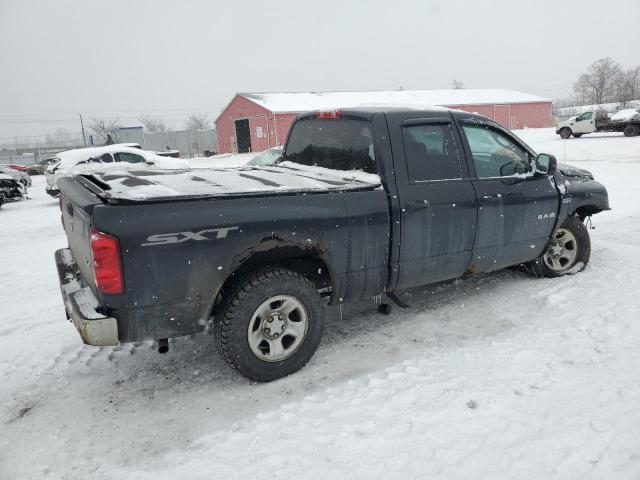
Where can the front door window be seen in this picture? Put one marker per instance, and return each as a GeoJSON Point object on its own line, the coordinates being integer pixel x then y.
{"type": "Point", "coordinates": [584, 116]}
{"type": "Point", "coordinates": [495, 154]}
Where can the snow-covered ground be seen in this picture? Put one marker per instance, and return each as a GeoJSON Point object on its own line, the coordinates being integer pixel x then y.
{"type": "Point", "coordinates": [497, 376]}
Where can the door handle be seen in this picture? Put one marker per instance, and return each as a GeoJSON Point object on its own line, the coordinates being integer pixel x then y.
{"type": "Point", "coordinates": [418, 204]}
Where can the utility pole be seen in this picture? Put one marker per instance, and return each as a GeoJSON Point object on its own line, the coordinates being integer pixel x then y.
{"type": "Point", "coordinates": [84, 138]}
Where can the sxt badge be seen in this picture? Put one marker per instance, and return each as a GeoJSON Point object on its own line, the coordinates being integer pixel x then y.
{"type": "Point", "coordinates": [179, 237]}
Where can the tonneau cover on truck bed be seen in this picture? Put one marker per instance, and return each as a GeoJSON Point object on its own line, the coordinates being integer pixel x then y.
{"type": "Point", "coordinates": [286, 177]}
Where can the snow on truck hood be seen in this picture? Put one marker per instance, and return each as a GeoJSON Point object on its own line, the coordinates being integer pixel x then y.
{"type": "Point", "coordinates": [286, 177]}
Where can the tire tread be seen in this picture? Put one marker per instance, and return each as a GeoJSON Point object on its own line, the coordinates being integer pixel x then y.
{"type": "Point", "coordinates": [240, 290]}
{"type": "Point", "coordinates": [539, 268]}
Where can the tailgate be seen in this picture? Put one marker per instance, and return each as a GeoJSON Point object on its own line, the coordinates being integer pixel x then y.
{"type": "Point", "coordinates": [77, 205]}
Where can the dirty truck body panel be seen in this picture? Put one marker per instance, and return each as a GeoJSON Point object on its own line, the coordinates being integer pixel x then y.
{"type": "Point", "coordinates": [354, 239]}
{"type": "Point", "coordinates": [171, 287]}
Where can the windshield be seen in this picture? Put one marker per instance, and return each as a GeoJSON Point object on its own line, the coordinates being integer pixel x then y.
{"type": "Point", "coordinates": [334, 144]}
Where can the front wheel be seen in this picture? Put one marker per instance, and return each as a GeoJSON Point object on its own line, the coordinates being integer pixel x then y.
{"type": "Point", "coordinates": [568, 251]}
{"type": "Point", "coordinates": [565, 133]}
{"type": "Point", "coordinates": [631, 130]}
{"type": "Point", "coordinates": [270, 325]}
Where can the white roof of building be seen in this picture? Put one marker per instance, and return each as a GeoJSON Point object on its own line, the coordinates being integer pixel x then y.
{"type": "Point", "coordinates": [302, 102]}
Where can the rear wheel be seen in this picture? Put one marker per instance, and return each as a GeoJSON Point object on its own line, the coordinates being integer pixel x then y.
{"type": "Point", "coordinates": [270, 325]}
{"type": "Point", "coordinates": [568, 251]}
{"type": "Point", "coordinates": [565, 133]}
{"type": "Point", "coordinates": [630, 130]}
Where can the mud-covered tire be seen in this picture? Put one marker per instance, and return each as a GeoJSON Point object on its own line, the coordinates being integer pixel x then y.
{"type": "Point", "coordinates": [549, 264]}
{"type": "Point", "coordinates": [565, 133]}
{"type": "Point", "coordinates": [631, 130]}
{"type": "Point", "coordinates": [577, 135]}
{"type": "Point", "coordinates": [235, 320]}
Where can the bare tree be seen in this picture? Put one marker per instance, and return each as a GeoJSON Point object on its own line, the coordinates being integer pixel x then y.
{"type": "Point", "coordinates": [197, 121]}
{"type": "Point", "coordinates": [103, 127]}
{"type": "Point", "coordinates": [456, 84]}
{"type": "Point", "coordinates": [598, 84]}
{"type": "Point", "coordinates": [569, 101]}
{"type": "Point", "coordinates": [628, 85]}
{"type": "Point", "coordinates": [153, 124]}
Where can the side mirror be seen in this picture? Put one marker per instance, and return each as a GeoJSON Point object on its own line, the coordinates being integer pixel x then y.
{"type": "Point", "coordinates": [546, 164]}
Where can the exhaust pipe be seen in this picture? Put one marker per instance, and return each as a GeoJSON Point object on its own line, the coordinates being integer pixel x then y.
{"type": "Point", "coordinates": [163, 345]}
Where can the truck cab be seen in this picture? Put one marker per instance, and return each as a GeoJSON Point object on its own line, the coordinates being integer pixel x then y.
{"type": "Point", "coordinates": [585, 123]}
{"type": "Point", "coordinates": [577, 126]}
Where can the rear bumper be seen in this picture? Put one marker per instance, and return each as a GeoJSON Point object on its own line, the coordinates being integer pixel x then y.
{"type": "Point", "coordinates": [82, 305]}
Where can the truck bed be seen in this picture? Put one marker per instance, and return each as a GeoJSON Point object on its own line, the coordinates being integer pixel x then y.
{"type": "Point", "coordinates": [286, 177]}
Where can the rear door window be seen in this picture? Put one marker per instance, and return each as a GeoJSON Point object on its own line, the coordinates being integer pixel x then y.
{"type": "Point", "coordinates": [330, 143]}
{"type": "Point", "coordinates": [431, 152]}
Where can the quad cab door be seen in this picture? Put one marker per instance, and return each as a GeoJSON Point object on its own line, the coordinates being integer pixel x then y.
{"type": "Point", "coordinates": [437, 200]}
{"type": "Point", "coordinates": [517, 208]}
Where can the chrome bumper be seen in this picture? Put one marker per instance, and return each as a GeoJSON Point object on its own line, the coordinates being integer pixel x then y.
{"type": "Point", "coordinates": [81, 305]}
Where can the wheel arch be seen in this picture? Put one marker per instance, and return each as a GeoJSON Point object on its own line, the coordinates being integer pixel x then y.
{"type": "Point", "coordinates": [586, 210]}
{"type": "Point", "coordinates": [307, 260]}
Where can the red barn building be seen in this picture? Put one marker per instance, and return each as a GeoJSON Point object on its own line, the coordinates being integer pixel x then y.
{"type": "Point", "coordinates": [257, 121]}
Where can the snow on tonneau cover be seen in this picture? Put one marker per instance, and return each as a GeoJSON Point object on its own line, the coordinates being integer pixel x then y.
{"type": "Point", "coordinates": [285, 177]}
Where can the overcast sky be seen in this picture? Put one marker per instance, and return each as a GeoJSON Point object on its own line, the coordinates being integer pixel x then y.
{"type": "Point", "coordinates": [120, 58]}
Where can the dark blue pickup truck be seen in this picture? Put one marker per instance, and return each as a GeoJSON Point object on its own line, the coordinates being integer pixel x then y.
{"type": "Point", "coordinates": [363, 203]}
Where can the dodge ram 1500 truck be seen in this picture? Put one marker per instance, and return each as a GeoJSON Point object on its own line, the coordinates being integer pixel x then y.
{"type": "Point", "coordinates": [363, 203]}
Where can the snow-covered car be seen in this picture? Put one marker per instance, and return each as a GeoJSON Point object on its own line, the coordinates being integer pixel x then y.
{"type": "Point", "coordinates": [626, 115]}
{"type": "Point", "coordinates": [22, 177]}
{"type": "Point", "coordinates": [111, 157]}
{"type": "Point", "coordinates": [10, 189]}
{"type": "Point", "coordinates": [268, 157]}
{"type": "Point", "coordinates": [40, 166]}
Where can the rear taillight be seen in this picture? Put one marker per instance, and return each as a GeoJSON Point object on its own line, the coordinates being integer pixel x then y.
{"type": "Point", "coordinates": [333, 114]}
{"type": "Point", "coordinates": [61, 215]}
{"type": "Point", "coordinates": [107, 268]}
